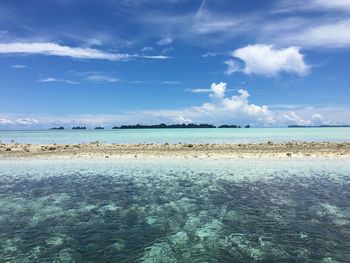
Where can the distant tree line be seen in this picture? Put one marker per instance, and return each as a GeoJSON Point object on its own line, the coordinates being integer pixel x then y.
{"type": "Point", "coordinates": [175, 126]}
{"type": "Point", "coordinates": [164, 126]}
{"type": "Point", "coordinates": [157, 126]}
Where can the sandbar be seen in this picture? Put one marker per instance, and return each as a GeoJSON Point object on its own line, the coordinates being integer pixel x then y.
{"type": "Point", "coordinates": [178, 150]}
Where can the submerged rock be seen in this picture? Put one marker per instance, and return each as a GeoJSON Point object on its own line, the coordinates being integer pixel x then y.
{"type": "Point", "coordinates": [54, 241]}
{"type": "Point", "coordinates": [159, 253]}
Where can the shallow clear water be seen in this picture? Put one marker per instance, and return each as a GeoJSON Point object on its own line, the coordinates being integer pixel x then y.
{"type": "Point", "coordinates": [251, 210]}
{"type": "Point", "coordinates": [252, 135]}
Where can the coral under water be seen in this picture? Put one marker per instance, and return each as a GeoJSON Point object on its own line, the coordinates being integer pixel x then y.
{"type": "Point", "coordinates": [175, 211]}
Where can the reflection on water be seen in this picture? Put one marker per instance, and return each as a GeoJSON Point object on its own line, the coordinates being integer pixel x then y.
{"type": "Point", "coordinates": [178, 211]}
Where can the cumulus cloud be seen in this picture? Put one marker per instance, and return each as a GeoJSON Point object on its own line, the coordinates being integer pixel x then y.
{"type": "Point", "coordinates": [54, 49]}
{"type": "Point", "coordinates": [238, 109]}
{"type": "Point", "coordinates": [218, 90]}
{"type": "Point", "coordinates": [220, 108]}
{"type": "Point", "coordinates": [269, 61]}
{"type": "Point", "coordinates": [234, 109]}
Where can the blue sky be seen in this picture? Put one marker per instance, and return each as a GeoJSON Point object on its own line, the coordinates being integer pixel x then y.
{"type": "Point", "coordinates": [109, 62]}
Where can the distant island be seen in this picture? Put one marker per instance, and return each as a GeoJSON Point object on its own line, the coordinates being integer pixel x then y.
{"type": "Point", "coordinates": [318, 126]}
{"type": "Point", "coordinates": [192, 125]}
{"type": "Point", "coordinates": [164, 126]}
{"type": "Point", "coordinates": [177, 126]}
{"type": "Point", "coordinates": [160, 126]}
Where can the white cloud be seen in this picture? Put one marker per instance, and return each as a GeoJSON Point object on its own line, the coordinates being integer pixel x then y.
{"type": "Point", "coordinates": [181, 119]}
{"type": "Point", "coordinates": [53, 49]}
{"type": "Point", "coordinates": [199, 90]}
{"type": "Point", "coordinates": [145, 49]}
{"type": "Point", "coordinates": [26, 121]}
{"type": "Point", "coordinates": [165, 41]}
{"type": "Point", "coordinates": [152, 57]}
{"type": "Point", "coordinates": [222, 109]}
{"type": "Point", "coordinates": [218, 90]}
{"type": "Point", "coordinates": [203, 27]}
{"type": "Point", "coordinates": [269, 61]}
{"type": "Point", "coordinates": [219, 109]}
{"type": "Point", "coordinates": [313, 5]}
{"type": "Point", "coordinates": [18, 66]}
{"type": "Point", "coordinates": [208, 54]}
{"type": "Point", "coordinates": [101, 78]}
{"type": "Point", "coordinates": [329, 34]}
{"type": "Point", "coordinates": [206, 22]}
{"type": "Point", "coordinates": [4, 121]}
{"type": "Point", "coordinates": [235, 109]}
{"type": "Point", "coordinates": [50, 79]}
{"type": "Point", "coordinates": [334, 4]}
{"type": "Point", "coordinates": [311, 23]}
{"type": "Point", "coordinates": [291, 118]}
{"type": "Point", "coordinates": [317, 119]}
{"type": "Point", "coordinates": [232, 67]}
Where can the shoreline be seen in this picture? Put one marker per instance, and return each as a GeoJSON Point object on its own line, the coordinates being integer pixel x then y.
{"type": "Point", "coordinates": [179, 150]}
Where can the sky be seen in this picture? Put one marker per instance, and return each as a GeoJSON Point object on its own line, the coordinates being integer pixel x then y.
{"type": "Point", "coordinates": [110, 62]}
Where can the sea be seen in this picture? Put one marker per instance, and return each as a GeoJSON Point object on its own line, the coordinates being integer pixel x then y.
{"type": "Point", "coordinates": [202, 135]}
{"type": "Point", "coordinates": [173, 210]}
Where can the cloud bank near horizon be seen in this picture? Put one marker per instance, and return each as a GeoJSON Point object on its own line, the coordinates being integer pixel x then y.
{"type": "Point", "coordinates": [219, 109]}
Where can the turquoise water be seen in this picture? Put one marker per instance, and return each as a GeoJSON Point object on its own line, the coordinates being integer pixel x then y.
{"type": "Point", "coordinates": [167, 211]}
{"type": "Point", "coordinates": [252, 135]}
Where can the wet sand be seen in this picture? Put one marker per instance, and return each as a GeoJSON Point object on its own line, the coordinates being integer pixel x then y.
{"type": "Point", "coordinates": [180, 150]}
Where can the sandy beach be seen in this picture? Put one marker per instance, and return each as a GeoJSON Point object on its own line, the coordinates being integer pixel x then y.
{"type": "Point", "coordinates": [98, 150]}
